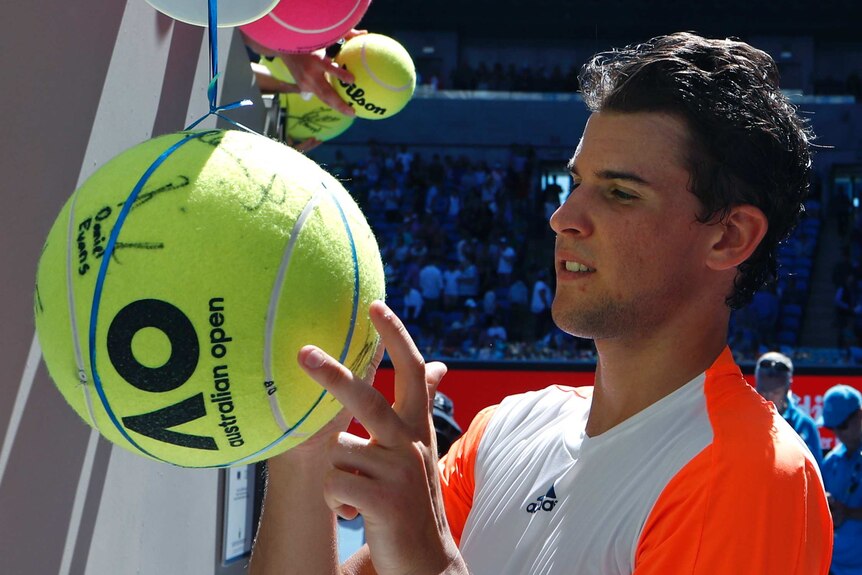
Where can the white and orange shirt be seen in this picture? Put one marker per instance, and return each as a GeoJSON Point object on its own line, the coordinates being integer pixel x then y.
{"type": "Point", "coordinates": [710, 480]}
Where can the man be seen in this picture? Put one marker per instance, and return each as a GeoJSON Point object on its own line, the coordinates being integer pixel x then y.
{"type": "Point", "coordinates": [691, 169]}
{"type": "Point", "coordinates": [431, 284]}
{"type": "Point", "coordinates": [842, 474]}
{"type": "Point", "coordinates": [773, 376]}
{"type": "Point", "coordinates": [540, 305]}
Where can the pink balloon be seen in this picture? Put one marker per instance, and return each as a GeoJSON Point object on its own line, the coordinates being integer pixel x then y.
{"type": "Point", "coordinates": [306, 25]}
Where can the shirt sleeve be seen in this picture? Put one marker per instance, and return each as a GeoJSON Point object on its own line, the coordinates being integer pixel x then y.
{"type": "Point", "coordinates": [749, 519]}
{"type": "Point", "coordinates": [457, 473]}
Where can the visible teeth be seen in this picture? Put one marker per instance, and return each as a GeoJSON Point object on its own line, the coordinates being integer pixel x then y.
{"type": "Point", "coordinates": [576, 267]}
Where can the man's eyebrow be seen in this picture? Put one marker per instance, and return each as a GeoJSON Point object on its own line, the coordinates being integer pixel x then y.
{"type": "Point", "coordinates": [620, 175]}
{"type": "Point", "coordinates": [611, 174]}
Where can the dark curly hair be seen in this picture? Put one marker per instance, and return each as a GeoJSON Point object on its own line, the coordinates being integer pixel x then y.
{"type": "Point", "coordinates": [748, 145]}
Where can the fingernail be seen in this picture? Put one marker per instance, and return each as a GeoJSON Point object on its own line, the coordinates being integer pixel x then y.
{"type": "Point", "coordinates": [314, 359]}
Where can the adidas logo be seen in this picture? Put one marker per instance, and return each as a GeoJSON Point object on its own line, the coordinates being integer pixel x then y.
{"type": "Point", "coordinates": [544, 502]}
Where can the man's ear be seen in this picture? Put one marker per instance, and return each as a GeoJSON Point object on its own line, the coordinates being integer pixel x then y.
{"type": "Point", "coordinates": [739, 235]}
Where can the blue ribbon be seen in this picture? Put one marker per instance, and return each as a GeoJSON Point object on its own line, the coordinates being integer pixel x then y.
{"type": "Point", "coordinates": [103, 270]}
{"type": "Point", "coordinates": [212, 89]}
{"type": "Point", "coordinates": [214, 110]}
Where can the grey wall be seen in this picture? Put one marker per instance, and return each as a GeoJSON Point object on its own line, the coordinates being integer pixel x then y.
{"type": "Point", "coordinates": [82, 81]}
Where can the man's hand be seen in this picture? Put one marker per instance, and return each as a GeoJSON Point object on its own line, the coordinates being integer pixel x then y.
{"type": "Point", "coordinates": [296, 519]}
{"type": "Point", "coordinates": [310, 72]}
{"type": "Point", "coordinates": [392, 478]}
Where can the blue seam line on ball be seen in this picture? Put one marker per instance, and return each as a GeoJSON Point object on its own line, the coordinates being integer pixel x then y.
{"type": "Point", "coordinates": [355, 309]}
{"type": "Point", "coordinates": [348, 339]}
{"type": "Point", "coordinates": [103, 268]}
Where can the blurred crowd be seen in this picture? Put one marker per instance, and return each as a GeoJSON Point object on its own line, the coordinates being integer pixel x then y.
{"type": "Point", "coordinates": [512, 78]}
{"type": "Point", "coordinates": [468, 257]}
{"type": "Point", "coordinates": [467, 250]}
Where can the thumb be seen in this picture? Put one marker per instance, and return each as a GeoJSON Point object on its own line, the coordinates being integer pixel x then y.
{"type": "Point", "coordinates": [434, 373]}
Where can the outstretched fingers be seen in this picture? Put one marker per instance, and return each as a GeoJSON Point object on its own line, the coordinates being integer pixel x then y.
{"type": "Point", "coordinates": [363, 401]}
{"type": "Point", "coordinates": [415, 382]}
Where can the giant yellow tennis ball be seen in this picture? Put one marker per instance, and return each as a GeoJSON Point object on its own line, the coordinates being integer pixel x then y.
{"type": "Point", "coordinates": [385, 77]}
{"type": "Point", "coordinates": [178, 284]}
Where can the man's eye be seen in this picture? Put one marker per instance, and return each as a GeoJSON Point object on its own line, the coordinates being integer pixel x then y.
{"type": "Point", "coordinates": [623, 196]}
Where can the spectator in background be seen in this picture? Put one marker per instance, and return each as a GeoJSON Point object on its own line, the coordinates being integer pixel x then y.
{"type": "Point", "coordinates": [843, 268]}
{"type": "Point", "coordinates": [846, 308]}
{"type": "Point", "coordinates": [764, 309]}
{"type": "Point", "coordinates": [842, 209]}
{"type": "Point", "coordinates": [842, 475]}
{"type": "Point", "coordinates": [453, 203]}
{"type": "Point", "coordinates": [404, 157]}
{"type": "Point", "coordinates": [540, 305]}
{"type": "Point", "coordinates": [496, 332]}
{"type": "Point", "coordinates": [489, 304]}
{"type": "Point", "coordinates": [773, 375]}
{"type": "Point", "coordinates": [431, 194]}
{"type": "Point", "coordinates": [431, 284]}
{"type": "Point", "coordinates": [466, 249]}
{"type": "Point", "coordinates": [412, 304]}
{"type": "Point", "coordinates": [519, 310]}
{"type": "Point", "coordinates": [451, 288]}
{"type": "Point", "coordinates": [446, 428]}
{"type": "Point", "coordinates": [391, 200]}
{"type": "Point", "coordinates": [505, 262]}
{"type": "Point", "coordinates": [468, 281]}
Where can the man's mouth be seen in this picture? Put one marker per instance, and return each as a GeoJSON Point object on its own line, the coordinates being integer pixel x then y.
{"type": "Point", "coordinates": [573, 266]}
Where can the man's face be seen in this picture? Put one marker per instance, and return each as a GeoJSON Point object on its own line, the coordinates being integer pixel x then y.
{"type": "Point", "coordinates": [850, 431]}
{"type": "Point", "coordinates": [774, 388]}
{"type": "Point", "coordinates": [629, 251]}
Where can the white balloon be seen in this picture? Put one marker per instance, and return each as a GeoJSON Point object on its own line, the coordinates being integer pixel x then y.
{"type": "Point", "coordinates": [230, 12]}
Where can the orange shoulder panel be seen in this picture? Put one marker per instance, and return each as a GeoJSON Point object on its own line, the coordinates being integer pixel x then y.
{"type": "Point", "coordinates": [751, 503]}
{"type": "Point", "coordinates": [457, 469]}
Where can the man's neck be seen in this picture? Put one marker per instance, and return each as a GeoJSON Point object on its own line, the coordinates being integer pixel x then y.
{"type": "Point", "coordinates": [853, 449]}
{"type": "Point", "coordinates": [782, 406]}
{"type": "Point", "coordinates": [632, 375]}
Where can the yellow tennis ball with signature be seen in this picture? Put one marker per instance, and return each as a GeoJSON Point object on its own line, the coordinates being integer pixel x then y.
{"type": "Point", "coordinates": [178, 284]}
{"type": "Point", "coordinates": [311, 118]}
{"type": "Point", "coordinates": [385, 76]}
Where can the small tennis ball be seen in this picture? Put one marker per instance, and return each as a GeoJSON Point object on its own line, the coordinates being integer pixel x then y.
{"type": "Point", "coordinates": [385, 77]}
{"type": "Point", "coordinates": [311, 118]}
{"type": "Point", "coordinates": [170, 318]}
